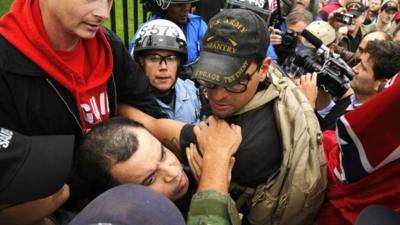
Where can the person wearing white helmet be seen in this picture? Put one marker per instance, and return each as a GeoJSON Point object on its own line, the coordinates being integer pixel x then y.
{"type": "Point", "coordinates": [160, 49]}
{"type": "Point", "coordinates": [178, 11]}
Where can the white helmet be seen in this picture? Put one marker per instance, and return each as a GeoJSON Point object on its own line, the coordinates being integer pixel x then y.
{"type": "Point", "coordinates": [160, 34]}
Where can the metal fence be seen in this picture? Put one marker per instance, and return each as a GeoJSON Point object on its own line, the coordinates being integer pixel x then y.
{"type": "Point", "coordinates": [116, 18]}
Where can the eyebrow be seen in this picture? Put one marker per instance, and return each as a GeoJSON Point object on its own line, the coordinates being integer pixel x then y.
{"type": "Point", "coordinates": [154, 171]}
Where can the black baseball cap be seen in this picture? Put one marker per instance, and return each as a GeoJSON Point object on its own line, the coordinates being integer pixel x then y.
{"type": "Point", "coordinates": [235, 37]}
{"type": "Point", "coordinates": [130, 204]}
{"type": "Point", "coordinates": [34, 167]}
{"type": "Point", "coordinates": [355, 8]}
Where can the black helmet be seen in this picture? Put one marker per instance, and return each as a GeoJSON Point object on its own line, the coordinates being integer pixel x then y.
{"type": "Point", "coordinates": [160, 5]}
{"type": "Point", "coordinates": [160, 34]}
{"type": "Point", "coordinates": [258, 6]}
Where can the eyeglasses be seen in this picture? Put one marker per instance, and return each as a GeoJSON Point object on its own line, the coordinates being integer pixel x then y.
{"type": "Point", "coordinates": [158, 59]}
{"type": "Point", "coordinates": [390, 11]}
{"type": "Point", "coordinates": [239, 87]}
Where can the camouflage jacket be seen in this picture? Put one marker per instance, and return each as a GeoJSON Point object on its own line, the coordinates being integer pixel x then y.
{"type": "Point", "coordinates": [212, 208]}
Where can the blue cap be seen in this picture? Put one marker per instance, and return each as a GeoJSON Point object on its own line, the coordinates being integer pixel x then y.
{"type": "Point", "coordinates": [130, 204]}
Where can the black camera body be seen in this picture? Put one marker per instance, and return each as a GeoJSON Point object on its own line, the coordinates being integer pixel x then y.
{"type": "Point", "coordinates": [289, 39]}
{"type": "Point", "coordinates": [331, 77]}
{"type": "Point", "coordinates": [343, 17]}
{"type": "Point", "coordinates": [334, 74]}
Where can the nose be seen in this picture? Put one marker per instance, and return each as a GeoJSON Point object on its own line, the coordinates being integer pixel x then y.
{"type": "Point", "coordinates": [169, 172]}
{"type": "Point", "coordinates": [218, 93]}
{"type": "Point", "coordinates": [163, 64]}
{"type": "Point", "coordinates": [103, 8]}
{"type": "Point", "coordinates": [186, 7]}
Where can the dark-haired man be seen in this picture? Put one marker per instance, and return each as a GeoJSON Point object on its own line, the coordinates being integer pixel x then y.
{"type": "Point", "coordinates": [273, 114]}
{"type": "Point", "coordinates": [121, 151]}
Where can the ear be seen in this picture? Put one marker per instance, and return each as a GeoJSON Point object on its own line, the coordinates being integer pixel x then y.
{"type": "Point", "coordinates": [141, 62]}
{"type": "Point", "coordinates": [263, 73]}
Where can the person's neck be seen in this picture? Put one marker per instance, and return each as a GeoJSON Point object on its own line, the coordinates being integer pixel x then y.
{"type": "Point", "coordinates": [162, 94]}
{"type": "Point", "coordinates": [354, 33]}
{"type": "Point", "coordinates": [361, 99]}
{"type": "Point", "coordinates": [59, 38]}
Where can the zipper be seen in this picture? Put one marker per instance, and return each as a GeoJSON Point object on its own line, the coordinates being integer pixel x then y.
{"type": "Point", "coordinates": [115, 95]}
{"type": "Point", "coordinates": [65, 103]}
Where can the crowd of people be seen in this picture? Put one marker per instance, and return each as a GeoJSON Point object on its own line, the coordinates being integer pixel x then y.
{"type": "Point", "coordinates": [266, 112]}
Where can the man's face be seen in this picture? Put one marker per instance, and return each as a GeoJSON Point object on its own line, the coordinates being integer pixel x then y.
{"type": "Point", "coordinates": [78, 18]}
{"type": "Point", "coordinates": [178, 13]}
{"type": "Point", "coordinates": [374, 5]}
{"type": "Point", "coordinates": [363, 82]}
{"type": "Point", "coordinates": [154, 166]}
{"type": "Point", "coordinates": [386, 15]}
{"type": "Point", "coordinates": [305, 3]}
{"type": "Point", "coordinates": [161, 73]}
{"type": "Point", "coordinates": [297, 28]}
{"type": "Point", "coordinates": [33, 212]}
{"type": "Point", "coordinates": [224, 103]}
{"type": "Point", "coordinates": [356, 23]}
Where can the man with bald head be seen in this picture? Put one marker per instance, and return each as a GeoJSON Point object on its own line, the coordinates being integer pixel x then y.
{"type": "Point", "coordinates": [377, 35]}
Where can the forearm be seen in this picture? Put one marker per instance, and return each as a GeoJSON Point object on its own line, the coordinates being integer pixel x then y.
{"type": "Point", "coordinates": [215, 173]}
{"type": "Point", "coordinates": [165, 130]}
{"type": "Point", "coordinates": [212, 208]}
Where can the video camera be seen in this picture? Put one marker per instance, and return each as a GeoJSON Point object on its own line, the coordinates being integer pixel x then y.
{"type": "Point", "coordinates": [334, 74]}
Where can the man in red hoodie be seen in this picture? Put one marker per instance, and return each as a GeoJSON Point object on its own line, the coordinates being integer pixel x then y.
{"type": "Point", "coordinates": [61, 72]}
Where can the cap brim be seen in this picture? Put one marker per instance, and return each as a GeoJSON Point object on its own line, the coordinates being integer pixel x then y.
{"type": "Point", "coordinates": [44, 171]}
{"type": "Point", "coordinates": [355, 13]}
{"type": "Point", "coordinates": [220, 69]}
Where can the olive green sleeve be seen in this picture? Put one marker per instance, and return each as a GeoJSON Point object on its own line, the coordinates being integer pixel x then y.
{"type": "Point", "coordinates": [212, 208]}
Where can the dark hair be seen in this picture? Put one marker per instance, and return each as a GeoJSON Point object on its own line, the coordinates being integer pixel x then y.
{"type": "Point", "coordinates": [105, 145]}
{"type": "Point", "coordinates": [385, 56]}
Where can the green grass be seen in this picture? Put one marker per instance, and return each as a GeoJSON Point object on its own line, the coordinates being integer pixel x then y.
{"type": "Point", "coordinates": [5, 5]}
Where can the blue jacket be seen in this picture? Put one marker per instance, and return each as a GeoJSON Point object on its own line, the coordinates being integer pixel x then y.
{"type": "Point", "coordinates": [187, 103]}
{"type": "Point", "coordinates": [194, 31]}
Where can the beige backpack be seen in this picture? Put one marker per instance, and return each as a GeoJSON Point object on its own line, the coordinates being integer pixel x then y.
{"type": "Point", "coordinates": [295, 195]}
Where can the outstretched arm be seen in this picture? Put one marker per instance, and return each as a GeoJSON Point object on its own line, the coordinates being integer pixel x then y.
{"type": "Point", "coordinates": [166, 130]}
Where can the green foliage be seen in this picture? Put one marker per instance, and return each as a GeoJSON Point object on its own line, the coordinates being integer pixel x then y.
{"type": "Point", "coordinates": [4, 6]}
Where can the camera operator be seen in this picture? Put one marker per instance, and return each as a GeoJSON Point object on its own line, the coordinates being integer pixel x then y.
{"type": "Point", "coordinates": [285, 43]}
{"type": "Point", "coordinates": [354, 28]}
{"type": "Point", "coordinates": [327, 107]}
{"type": "Point", "coordinates": [380, 60]}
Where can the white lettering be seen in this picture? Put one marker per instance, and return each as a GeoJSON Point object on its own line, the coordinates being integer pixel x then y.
{"type": "Point", "coordinates": [5, 138]}
{"type": "Point", "coordinates": [96, 108]}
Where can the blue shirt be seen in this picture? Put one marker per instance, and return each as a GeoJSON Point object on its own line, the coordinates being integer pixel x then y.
{"type": "Point", "coordinates": [187, 103]}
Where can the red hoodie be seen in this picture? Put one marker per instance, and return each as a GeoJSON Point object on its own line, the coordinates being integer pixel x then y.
{"type": "Point", "coordinates": [84, 71]}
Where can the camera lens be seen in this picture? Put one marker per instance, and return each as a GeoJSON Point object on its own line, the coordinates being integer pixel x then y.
{"type": "Point", "coordinates": [289, 38]}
